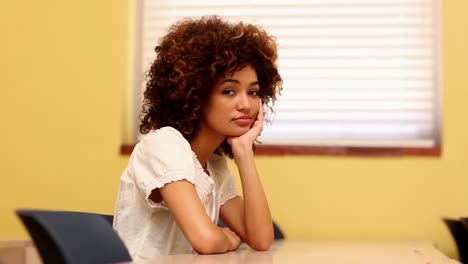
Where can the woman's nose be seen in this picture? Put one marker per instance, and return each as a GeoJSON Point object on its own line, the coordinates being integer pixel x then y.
{"type": "Point", "coordinates": [243, 102]}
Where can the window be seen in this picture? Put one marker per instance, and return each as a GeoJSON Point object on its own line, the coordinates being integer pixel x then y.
{"type": "Point", "coordinates": [357, 74]}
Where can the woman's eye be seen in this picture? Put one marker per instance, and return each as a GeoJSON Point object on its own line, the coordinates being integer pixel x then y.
{"type": "Point", "coordinates": [254, 93]}
{"type": "Point", "coordinates": [228, 92]}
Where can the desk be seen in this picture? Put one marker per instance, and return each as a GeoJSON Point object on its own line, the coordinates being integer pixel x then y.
{"type": "Point", "coordinates": [302, 252]}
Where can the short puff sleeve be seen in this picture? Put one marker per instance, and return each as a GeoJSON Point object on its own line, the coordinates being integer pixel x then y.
{"type": "Point", "coordinates": [162, 157]}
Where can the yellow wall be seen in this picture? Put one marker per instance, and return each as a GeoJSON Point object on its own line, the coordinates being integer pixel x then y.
{"type": "Point", "coordinates": [64, 70]}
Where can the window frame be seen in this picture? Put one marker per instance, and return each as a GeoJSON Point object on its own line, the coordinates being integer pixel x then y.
{"type": "Point", "coordinates": [317, 149]}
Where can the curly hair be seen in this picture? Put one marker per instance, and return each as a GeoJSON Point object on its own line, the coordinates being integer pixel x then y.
{"type": "Point", "coordinates": [190, 58]}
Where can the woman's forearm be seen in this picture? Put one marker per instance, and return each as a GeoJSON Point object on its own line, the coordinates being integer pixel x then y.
{"type": "Point", "coordinates": [257, 216]}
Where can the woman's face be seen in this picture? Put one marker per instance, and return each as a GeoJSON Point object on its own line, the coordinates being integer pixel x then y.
{"type": "Point", "coordinates": [233, 104]}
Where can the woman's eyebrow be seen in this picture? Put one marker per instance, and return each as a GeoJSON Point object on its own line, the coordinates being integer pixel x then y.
{"type": "Point", "coordinates": [238, 82]}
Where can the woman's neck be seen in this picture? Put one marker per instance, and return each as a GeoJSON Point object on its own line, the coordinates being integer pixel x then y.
{"type": "Point", "coordinates": [204, 144]}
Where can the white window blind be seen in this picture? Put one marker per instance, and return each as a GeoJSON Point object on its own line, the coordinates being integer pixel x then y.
{"type": "Point", "coordinates": [356, 72]}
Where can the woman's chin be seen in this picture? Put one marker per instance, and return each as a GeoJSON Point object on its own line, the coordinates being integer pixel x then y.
{"type": "Point", "coordinates": [238, 132]}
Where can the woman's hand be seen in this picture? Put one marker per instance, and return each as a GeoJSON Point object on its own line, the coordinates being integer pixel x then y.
{"type": "Point", "coordinates": [245, 141]}
{"type": "Point", "coordinates": [233, 238]}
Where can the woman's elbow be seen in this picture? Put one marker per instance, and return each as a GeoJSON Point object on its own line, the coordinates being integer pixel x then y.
{"type": "Point", "coordinates": [261, 247]}
{"type": "Point", "coordinates": [206, 248]}
{"type": "Point", "coordinates": [261, 244]}
{"type": "Point", "coordinates": [209, 244]}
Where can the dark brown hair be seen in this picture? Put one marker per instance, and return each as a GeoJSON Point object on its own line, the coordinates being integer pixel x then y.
{"type": "Point", "coordinates": [190, 58]}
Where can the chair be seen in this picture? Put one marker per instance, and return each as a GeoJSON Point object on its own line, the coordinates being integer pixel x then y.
{"type": "Point", "coordinates": [278, 234]}
{"type": "Point", "coordinates": [459, 233]}
{"type": "Point", "coordinates": [109, 218]}
{"type": "Point", "coordinates": [63, 237]}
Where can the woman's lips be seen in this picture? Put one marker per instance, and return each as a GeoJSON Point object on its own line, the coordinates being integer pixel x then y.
{"type": "Point", "coordinates": [243, 120]}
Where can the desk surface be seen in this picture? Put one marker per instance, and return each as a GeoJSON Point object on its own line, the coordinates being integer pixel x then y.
{"type": "Point", "coordinates": [302, 252]}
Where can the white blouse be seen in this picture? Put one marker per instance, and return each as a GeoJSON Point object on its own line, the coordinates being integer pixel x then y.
{"type": "Point", "coordinates": [163, 156]}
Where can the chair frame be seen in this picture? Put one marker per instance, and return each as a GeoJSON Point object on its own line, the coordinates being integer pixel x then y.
{"type": "Point", "coordinates": [459, 230]}
{"type": "Point", "coordinates": [73, 237]}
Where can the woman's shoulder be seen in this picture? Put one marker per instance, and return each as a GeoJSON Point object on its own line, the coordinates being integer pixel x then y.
{"type": "Point", "coordinates": [163, 134]}
{"type": "Point", "coordinates": [163, 139]}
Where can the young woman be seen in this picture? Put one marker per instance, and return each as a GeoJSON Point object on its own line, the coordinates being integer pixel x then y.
{"type": "Point", "coordinates": [203, 101]}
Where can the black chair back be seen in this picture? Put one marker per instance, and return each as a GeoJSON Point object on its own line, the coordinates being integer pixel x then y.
{"type": "Point", "coordinates": [109, 218]}
{"type": "Point", "coordinates": [460, 235]}
{"type": "Point", "coordinates": [277, 232]}
{"type": "Point", "coordinates": [64, 237]}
